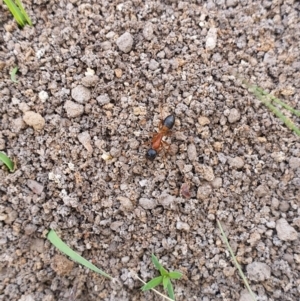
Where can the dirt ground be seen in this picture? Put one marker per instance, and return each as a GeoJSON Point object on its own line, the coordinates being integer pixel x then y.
{"type": "Point", "coordinates": [94, 79]}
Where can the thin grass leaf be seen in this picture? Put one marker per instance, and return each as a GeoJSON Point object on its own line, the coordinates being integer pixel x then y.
{"type": "Point", "coordinates": [156, 262]}
{"type": "Point", "coordinates": [28, 21]}
{"type": "Point", "coordinates": [13, 73]}
{"type": "Point", "coordinates": [235, 261]}
{"type": "Point", "coordinates": [19, 17]}
{"type": "Point", "coordinates": [175, 275]}
{"type": "Point", "coordinates": [170, 291]}
{"type": "Point", "coordinates": [266, 99]}
{"type": "Point", "coordinates": [166, 281]}
{"type": "Point", "coordinates": [9, 163]}
{"type": "Point", "coordinates": [154, 290]}
{"type": "Point", "coordinates": [59, 244]}
{"type": "Point", "coordinates": [152, 283]}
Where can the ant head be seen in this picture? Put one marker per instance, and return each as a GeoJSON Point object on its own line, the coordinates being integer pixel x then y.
{"type": "Point", "coordinates": [151, 154]}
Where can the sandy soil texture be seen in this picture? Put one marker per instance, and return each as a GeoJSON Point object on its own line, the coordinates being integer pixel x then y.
{"type": "Point", "coordinates": [94, 79]}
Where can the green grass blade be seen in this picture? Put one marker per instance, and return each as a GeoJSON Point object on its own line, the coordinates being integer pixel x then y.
{"type": "Point", "coordinates": [59, 244]}
{"type": "Point", "coordinates": [9, 163]}
{"type": "Point", "coordinates": [166, 281]}
{"type": "Point", "coordinates": [175, 275]}
{"type": "Point", "coordinates": [15, 12]}
{"type": "Point", "coordinates": [266, 99]}
{"type": "Point", "coordinates": [235, 261]}
{"type": "Point", "coordinates": [152, 283]}
{"type": "Point", "coordinates": [13, 73]}
{"type": "Point", "coordinates": [21, 7]}
{"type": "Point", "coordinates": [170, 290]}
{"type": "Point", "coordinates": [156, 262]}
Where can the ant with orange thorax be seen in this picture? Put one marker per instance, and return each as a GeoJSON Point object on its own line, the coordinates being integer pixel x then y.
{"type": "Point", "coordinates": [156, 142]}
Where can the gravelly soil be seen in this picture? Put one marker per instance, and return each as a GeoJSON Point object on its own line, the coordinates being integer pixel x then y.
{"type": "Point", "coordinates": [93, 78]}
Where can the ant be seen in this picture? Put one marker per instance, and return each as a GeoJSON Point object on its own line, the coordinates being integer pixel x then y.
{"type": "Point", "coordinates": [156, 142]}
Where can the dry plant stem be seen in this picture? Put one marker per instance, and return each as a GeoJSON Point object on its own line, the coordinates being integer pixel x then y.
{"type": "Point", "coordinates": [235, 261]}
{"type": "Point", "coordinates": [157, 292]}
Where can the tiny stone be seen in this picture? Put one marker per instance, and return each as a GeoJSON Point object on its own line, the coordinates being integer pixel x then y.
{"type": "Point", "coordinates": [61, 265]}
{"type": "Point", "coordinates": [261, 191]}
{"type": "Point", "coordinates": [285, 232]}
{"type": "Point", "coordinates": [34, 119]}
{"type": "Point", "coordinates": [85, 139]}
{"type": "Point", "coordinates": [234, 116]}
{"type": "Point", "coordinates": [126, 204]}
{"type": "Point", "coordinates": [118, 73]}
{"type": "Point", "coordinates": [161, 54]}
{"type": "Point", "coordinates": [192, 152]}
{"type": "Point", "coordinates": [166, 200]}
{"type": "Point", "coordinates": [182, 226]}
{"type": "Point", "coordinates": [147, 203]}
{"type": "Point", "coordinates": [73, 109]}
{"type": "Point", "coordinates": [90, 81]}
{"type": "Point", "coordinates": [211, 39]}
{"type": "Point", "coordinates": [2, 144]}
{"type": "Point", "coordinates": [11, 217]}
{"type": "Point", "coordinates": [254, 238]}
{"type": "Point", "coordinates": [204, 192]}
{"type": "Point", "coordinates": [116, 225]}
{"type": "Point", "coordinates": [153, 65]}
{"type": "Point", "coordinates": [30, 228]}
{"type": "Point", "coordinates": [294, 163]}
{"type": "Point", "coordinates": [24, 107]}
{"type": "Point", "coordinates": [148, 31]}
{"type": "Point", "coordinates": [81, 94]}
{"type": "Point", "coordinates": [271, 224]}
{"type": "Point", "coordinates": [202, 120]}
{"type": "Point", "coordinates": [231, 3]}
{"type": "Point", "coordinates": [274, 203]}
{"type": "Point", "coordinates": [17, 125]}
{"type": "Point", "coordinates": [125, 42]}
{"type": "Point", "coordinates": [106, 45]}
{"type": "Point", "coordinates": [43, 96]}
{"type": "Point", "coordinates": [284, 206]}
{"type": "Point", "coordinates": [103, 99]}
{"type": "Point", "coordinates": [258, 271]}
{"type": "Point", "coordinates": [217, 183]}
{"type": "Point", "coordinates": [37, 244]}
{"type": "Point", "coordinates": [228, 271]}
{"type": "Point", "coordinates": [35, 186]}
{"type": "Point", "coordinates": [236, 162]}
{"type": "Point", "coordinates": [246, 296]}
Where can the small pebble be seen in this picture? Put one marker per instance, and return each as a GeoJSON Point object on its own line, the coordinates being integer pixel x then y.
{"type": "Point", "coordinates": [30, 229]}
{"type": "Point", "coordinates": [153, 64]}
{"type": "Point", "coordinates": [228, 271]}
{"type": "Point", "coordinates": [246, 296]}
{"type": "Point", "coordinates": [192, 152]}
{"type": "Point", "coordinates": [17, 125]}
{"type": "Point", "coordinates": [11, 217]}
{"type": "Point", "coordinates": [294, 163]}
{"type": "Point", "coordinates": [217, 183]}
{"type": "Point", "coordinates": [2, 144]}
{"type": "Point", "coordinates": [202, 120]}
{"type": "Point", "coordinates": [261, 191]}
{"type": "Point", "coordinates": [85, 139]}
{"type": "Point", "coordinates": [103, 99]}
{"type": "Point", "coordinates": [116, 225]}
{"type": "Point", "coordinates": [182, 226]}
{"type": "Point", "coordinates": [34, 119]}
{"type": "Point", "coordinates": [118, 73]}
{"type": "Point", "coordinates": [43, 96]}
{"type": "Point", "coordinates": [90, 81]}
{"type": "Point", "coordinates": [284, 206]}
{"type": "Point", "coordinates": [258, 271]}
{"type": "Point", "coordinates": [211, 39]}
{"type": "Point", "coordinates": [234, 115]}
{"type": "Point", "coordinates": [147, 203]}
{"type": "Point", "coordinates": [236, 162]}
{"type": "Point", "coordinates": [148, 31]}
{"type": "Point", "coordinates": [285, 232]}
{"type": "Point", "coordinates": [61, 265]}
{"type": "Point", "coordinates": [125, 42]}
{"type": "Point", "coordinates": [81, 94]}
{"type": "Point", "coordinates": [35, 186]}
{"type": "Point", "coordinates": [106, 45]}
{"type": "Point", "coordinates": [166, 200]}
{"type": "Point", "coordinates": [126, 204]}
{"type": "Point", "coordinates": [73, 109]}
{"type": "Point", "coordinates": [204, 192]}
{"type": "Point", "coordinates": [37, 244]}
